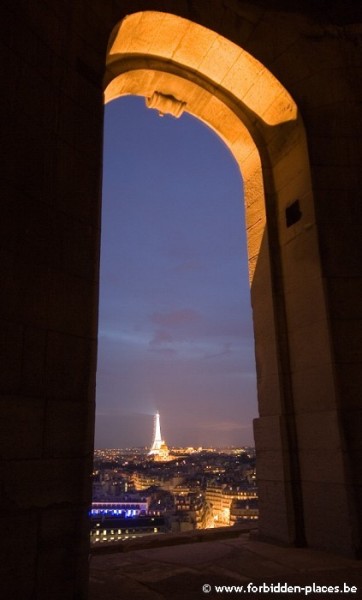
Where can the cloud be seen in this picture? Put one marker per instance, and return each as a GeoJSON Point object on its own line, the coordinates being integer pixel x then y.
{"type": "Point", "coordinates": [161, 336]}
{"type": "Point", "coordinates": [177, 332]}
{"type": "Point", "coordinates": [174, 318]}
{"type": "Point", "coordinates": [161, 341]}
{"type": "Point", "coordinates": [165, 351]}
{"type": "Point", "coordinates": [225, 351]}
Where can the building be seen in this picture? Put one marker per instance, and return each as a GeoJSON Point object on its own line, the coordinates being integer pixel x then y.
{"type": "Point", "coordinates": [143, 480]}
{"type": "Point", "coordinates": [221, 497]}
{"type": "Point", "coordinates": [130, 506]}
{"type": "Point", "coordinates": [193, 509]}
{"type": "Point", "coordinates": [114, 529]}
{"type": "Point", "coordinates": [243, 510]}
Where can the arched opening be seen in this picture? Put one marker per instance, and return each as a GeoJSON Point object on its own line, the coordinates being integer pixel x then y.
{"type": "Point", "coordinates": [178, 65]}
{"type": "Point", "coordinates": [175, 330]}
{"type": "Point", "coordinates": [163, 237]}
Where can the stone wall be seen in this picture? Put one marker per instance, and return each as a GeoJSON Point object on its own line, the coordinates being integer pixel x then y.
{"type": "Point", "coordinates": [53, 66]}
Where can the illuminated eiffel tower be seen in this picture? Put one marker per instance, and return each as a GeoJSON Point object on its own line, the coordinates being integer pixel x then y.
{"type": "Point", "coordinates": [158, 449]}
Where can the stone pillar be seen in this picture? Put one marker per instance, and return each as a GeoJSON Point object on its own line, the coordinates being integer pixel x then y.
{"type": "Point", "coordinates": [51, 160]}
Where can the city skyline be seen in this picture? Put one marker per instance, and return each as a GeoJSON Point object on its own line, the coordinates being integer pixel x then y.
{"type": "Point", "coordinates": [175, 327]}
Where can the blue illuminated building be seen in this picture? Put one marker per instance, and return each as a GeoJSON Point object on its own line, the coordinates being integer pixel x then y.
{"type": "Point", "coordinates": [122, 509]}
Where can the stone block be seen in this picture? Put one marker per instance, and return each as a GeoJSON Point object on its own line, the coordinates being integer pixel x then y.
{"type": "Point", "coordinates": [340, 210]}
{"type": "Point", "coordinates": [335, 120]}
{"type": "Point", "coordinates": [263, 316]}
{"type": "Point", "coordinates": [63, 544]}
{"type": "Point", "coordinates": [352, 423]}
{"type": "Point", "coordinates": [291, 171]}
{"type": "Point", "coordinates": [278, 44]}
{"type": "Point", "coordinates": [301, 260]}
{"type": "Point", "coordinates": [344, 294]}
{"type": "Point", "coordinates": [83, 89]}
{"type": "Point", "coordinates": [336, 178]}
{"type": "Point", "coordinates": [92, 50]}
{"type": "Point", "coordinates": [340, 245]}
{"type": "Point", "coordinates": [309, 346]}
{"type": "Point", "coordinates": [41, 483]}
{"type": "Point", "coordinates": [266, 357]}
{"type": "Point", "coordinates": [77, 190]}
{"type": "Point", "coordinates": [319, 431]}
{"type": "Point", "coordinates": [32, 382]}
{"type": "Point", "coordinates": [219, 59]}
{"type": "Point", "coordinates": [314, 388]}
{"type": "Point", "coordinates": [347, 334]}
{"type": "Point", "coordinates": [56, 573]}
{"type": "Point", "coordinates": [355, 464]}
{"type": "Point", "coordinates": [321, 447]}
{"type": "Point", "coordinates": [325, 153]}
{"type": "Point", "coordinates": [34, 232]}
{"type": "Point", "coordinates": [269, 399]}
{"type": "Point", "coordinates": [326, 466]}
{"type": "Point", "coordinates": [73, 305]}
{"type": "Point", "coordinates": [271, 465]}
{"type": "Point", "coordinates": [11, 349]}
{"type": "Point", "coordinates": [24, 292]}
{"type": "Point", "coordinates": [325, 87]}
{"type": "Point", "coordinates": [305, 304]}
{"type": "Point", "coordinates": [69, 429]}
{"type": "Point", "coordinates": [70, 364]}
{"type": "Point", "coordinates": [275, 520]}
{"type": "Point", "coordinates": [45, 24]}
{"type": "Point", "coordinates": [292, 62]}
{"type": "Point", "coordinates": [261, 282]}
{"type": "Point", "coordinates": [12, 223]}
{"type": "Point", "coordinates": [78, 246]}
{"type": "Point", "coordinates": [269, 434]}
{"type": "Point", "coordinates": [350, 384]}
{"type": "Point", "coordinates": [18, 547]}
{"type": "Point", "coordinates": [32, 152]}
{"type": "Point", "coordinates": [254, 210]}
{"type": "Point", "coordinates": [327, 517]}
{"type": "Point", "coordinates": [79, 127]}
{"type": "Point", "coordinates": [38, 94]}
{"type": "Point", "coordinates": [21, 427]}
{"type": "Point", "coordinates": [63, 526]}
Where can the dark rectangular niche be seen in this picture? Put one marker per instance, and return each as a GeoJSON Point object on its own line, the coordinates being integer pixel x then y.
{"type": "Point", "coordinates": [293, 213]}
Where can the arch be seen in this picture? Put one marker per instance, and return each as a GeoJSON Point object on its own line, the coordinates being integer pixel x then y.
{"type": "Point", "coordinates": [179, 65]}
{"type": "Point", "coordinates": [309, 381]}
{"type": "Point", "coordinates": [223, 86]}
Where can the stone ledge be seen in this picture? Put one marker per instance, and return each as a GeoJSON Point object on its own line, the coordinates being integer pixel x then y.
{"type": "Point", "coordinates": [172, 539]}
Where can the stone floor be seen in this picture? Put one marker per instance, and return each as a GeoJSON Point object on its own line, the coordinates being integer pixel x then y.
{"type": "Point", "coordinates": [180, 571]}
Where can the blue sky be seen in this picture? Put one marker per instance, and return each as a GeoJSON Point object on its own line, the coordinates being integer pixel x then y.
{"type": "Point", "coordinates": [175, 329]}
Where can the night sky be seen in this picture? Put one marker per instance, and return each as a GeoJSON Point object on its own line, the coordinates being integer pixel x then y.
{"type": "Point", "coordinates": [175, 330]}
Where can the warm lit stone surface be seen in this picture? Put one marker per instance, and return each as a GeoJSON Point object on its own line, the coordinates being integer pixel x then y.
{"type": "Point", "coordinates": [218, 59]}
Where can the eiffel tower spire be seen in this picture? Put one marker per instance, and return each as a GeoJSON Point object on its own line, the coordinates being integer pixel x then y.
{"type": "Point", "coordinates": [158, 450]}
{"type": "Point", "coordinates": [157, 439]}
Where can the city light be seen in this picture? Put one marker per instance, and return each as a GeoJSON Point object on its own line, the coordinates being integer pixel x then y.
{"type": "Point", "coordinates": [157, 490]}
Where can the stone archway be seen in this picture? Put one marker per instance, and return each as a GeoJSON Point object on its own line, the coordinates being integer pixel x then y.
{"type": "Point", "coordinates": [308, 329]}
{"type": "Point", "coordinates": [178, 65]}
